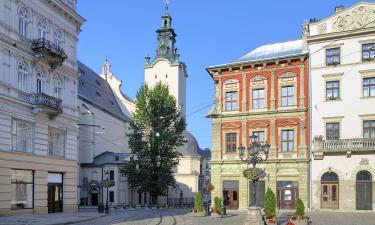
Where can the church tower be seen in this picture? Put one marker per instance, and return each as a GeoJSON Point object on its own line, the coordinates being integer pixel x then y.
{"type": "Point", "coordinates": [166, 66]}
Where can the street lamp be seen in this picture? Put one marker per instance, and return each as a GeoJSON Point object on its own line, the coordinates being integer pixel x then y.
{"type": "Point", "coordinates": [256, 153]}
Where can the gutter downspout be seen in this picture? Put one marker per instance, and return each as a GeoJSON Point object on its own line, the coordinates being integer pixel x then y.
{"type": "Point", "coordinates": [310, 137]}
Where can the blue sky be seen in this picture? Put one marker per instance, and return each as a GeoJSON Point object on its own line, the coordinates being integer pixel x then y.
{"type": "Point", "coordinates": [209, 32]}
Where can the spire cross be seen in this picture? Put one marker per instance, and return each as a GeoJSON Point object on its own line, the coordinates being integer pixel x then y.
{"type": "Point", "coordinates": [166, 5]}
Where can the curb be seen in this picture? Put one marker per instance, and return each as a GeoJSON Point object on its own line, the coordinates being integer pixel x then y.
{"type": "Point", "coordinates": [80, 221]}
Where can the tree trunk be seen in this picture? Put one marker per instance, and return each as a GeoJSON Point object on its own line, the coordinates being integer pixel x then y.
{"type": "Point", "coordinates": [154, 199]}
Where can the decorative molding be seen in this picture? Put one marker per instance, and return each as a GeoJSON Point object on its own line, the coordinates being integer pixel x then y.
{"type": "Point", "coordinates": [332, 75]}
{"type": "Point", "coordinates": [370, 72]}
{"type": "Point", "coordinates": [231, 126]}
{"type": "Point", "coordinates": [364, 161]}
{"type": "Point", "coordinates": [360, 17]}
{"type": "Point", "coordinates": [258, 78]}
{"type": "Point", "coordinates": [257, 124]}
{"type": "Point", "coordinates": [287, 75]}
{"type": "Point", "coordinates": [322, 28]}
{"type": "Point", "coordinates": [287, 122]}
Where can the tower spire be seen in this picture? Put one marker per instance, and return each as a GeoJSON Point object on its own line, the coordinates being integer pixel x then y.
{"type": "Point", "coordinates": [167, 38]}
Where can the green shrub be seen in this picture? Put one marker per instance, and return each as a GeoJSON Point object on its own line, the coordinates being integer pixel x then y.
{"type": "Point", "coordinates": [217, 205]}
{"type": "Point", "coordinates": [198, 202]}
{"type": "Point", "coordinates": [300, 208]}
{"type": "Point", "coordinates": [270, 203]}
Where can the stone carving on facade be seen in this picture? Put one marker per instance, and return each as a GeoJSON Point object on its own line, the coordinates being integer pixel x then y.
{"type": "Point", "coordinates": [364, 161]}
{"type": "Point", "coordinates": [357, 18]}
{"type": "Point", "coordinates": [322, 28]}
{"type": "Point", "coordinates": [288, 75]}
{"type": "Point", "coordinates": [214, 108]}
{"type": "Point", "coordinates": [259, 78]}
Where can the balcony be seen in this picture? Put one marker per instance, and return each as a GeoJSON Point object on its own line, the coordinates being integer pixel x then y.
{"type": "Point", "coordinates": [47, 50]}
{"type": "Point", "coordinates": [341, 146]}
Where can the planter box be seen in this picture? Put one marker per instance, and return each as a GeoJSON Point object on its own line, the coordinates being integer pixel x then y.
{"type": "Point", "coordinates": [198, 214]}
{"type": "Point", "coordinates": [215, 215]}
{"type": "Point", "coordinates": [300, 222]}
{"type": "Point", "coordinates": [271, 221]}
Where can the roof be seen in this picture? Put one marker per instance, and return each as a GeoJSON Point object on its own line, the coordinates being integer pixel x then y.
{"type": "Point", "coordinates": [106, 158]}
{"type": "Point", "coordinates": [190, 147]}
{"type": "Point", "coordinates": [97, 91]}
{"type": "Point", "coordinates": [205, 154]}
{"type": "Point", "coordinates": [271, 51]}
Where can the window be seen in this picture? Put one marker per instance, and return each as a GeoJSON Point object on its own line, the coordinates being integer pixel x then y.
{"type": "Point", "coordinates": [333, 56]}
{"type": "Point", "coordinates": [258, 99]}
{"type": "Point", "coordinates": [58, 38]}
{"type": "Point", "coordinates": [23, 23]}
{"type": "Point", "coordinates": [369, 87]}
{"type": "Point", "coordinates": [287, 140]}
{"type": "Point", "coordinates": [22, 183]}
{"type": "Point", "coordinates": [56, 142]}
{"type": "Point", "coordinates": [41, 82]}
{"type": "Point", "coordinates": [42, 29]}
{"type": "Point", "coordinates": [368, 52]}
{"type": "Point", "coordinates": [22, 136]}
{"type": "Point", "coordinates": [260, 136]}
{"type": "Point", "coordinates": [111, 196]}
{"type": "Point", "coordinates": [231, 101]}
{"type": "Point", "coordinates": [332, 90]}
{"type": "Point", "coordinates": [369, 129]}
{"type": "Point", "coordinates": [231, 142]}
{"type": "Point", "coordinates": [57, 86]}
{"type": "Point", "coordinates": [112, 175]}
{"type": "Point", "coordinates": [287, 96]}
{"type": "Point", "coordinates": [333, 131]}
{"type": "Point", "coordinates": [23, 75]}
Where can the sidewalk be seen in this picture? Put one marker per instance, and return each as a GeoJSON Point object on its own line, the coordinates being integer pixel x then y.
{"type": "Point", "coordinates": [50, 219]}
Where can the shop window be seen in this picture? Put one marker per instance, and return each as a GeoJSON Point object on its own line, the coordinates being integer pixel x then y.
{"type": "Point", "coordinates": [22, 185]}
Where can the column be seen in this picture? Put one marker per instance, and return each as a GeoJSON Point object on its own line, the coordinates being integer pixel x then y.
{"type": "Point", "coordinates": [272, 141]}
{"type": "Point", "coordinates": [272, 97]}
{"type": "Point", "coordinates": [221, 97]}
{"type": "Point", "coordinates": [244, 91]}
{"type": "Point", "coordinates": [302, 85]}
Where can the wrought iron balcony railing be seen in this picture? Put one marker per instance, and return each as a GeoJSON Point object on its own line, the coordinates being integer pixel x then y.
{"type": "Point", "coordinates": [44, 49]}
{"type": "Point", "coordinates": [41, 99]}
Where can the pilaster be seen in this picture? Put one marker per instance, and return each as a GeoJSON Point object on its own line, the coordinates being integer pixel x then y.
{"type": "Point", "coordinates": [272, 97]}
{"type": "Point", "coordinates": [216, 139]}
{"type": "Point", "coordinates": [221, 99]}
{"type": "Point", "coordinates": [302, 136]}
{"type": "Point", "coordinates": [302, 86]}
{"type": "Point", "coordinates": [244, 91]}
{"type": "Point", "coordinates": [272, 141]}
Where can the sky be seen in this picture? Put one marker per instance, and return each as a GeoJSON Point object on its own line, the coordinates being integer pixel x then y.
{"type": "Point", "coordinates": [209, 32]}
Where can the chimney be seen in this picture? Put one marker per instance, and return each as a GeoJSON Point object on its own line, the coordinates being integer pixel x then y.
{"type": "Point", "coordinates": [339, 8]}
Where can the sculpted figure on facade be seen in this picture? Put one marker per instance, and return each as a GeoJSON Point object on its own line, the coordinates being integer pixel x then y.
{"type": "Point", "coordinates": [358, 18]}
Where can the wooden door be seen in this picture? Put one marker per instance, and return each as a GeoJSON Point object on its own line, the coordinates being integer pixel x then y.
{"type": "Point", "coordinates": [55, 198]}
{"type": "Point", "coordinates": [286, 197]}
{"type": "Point", "coordinates": [231, 198]}
{"type": "Point", "coordinates": [330, 196]}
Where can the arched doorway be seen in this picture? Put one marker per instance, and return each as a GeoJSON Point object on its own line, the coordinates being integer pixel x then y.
{"type": "Point", "coordinates": [329, 191]}
{"type": "Point", "coordinates": [363, 190]}
{"type": "Point", "coordinates": [94, 194]}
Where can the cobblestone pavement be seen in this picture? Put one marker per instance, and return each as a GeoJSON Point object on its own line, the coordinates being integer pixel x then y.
{"type": "Point", "coordinates": [343, 218]}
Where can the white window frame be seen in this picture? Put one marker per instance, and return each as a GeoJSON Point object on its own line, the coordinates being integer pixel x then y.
{"type": "Point", "coordinates": [42, 29]}
{"type": "Point", "coordinates": [17, 136]}
{"type": "Point", "coordinates": [41, 81]}
{"type": "Point", "coordinates": [52, 151]}
{"type": "Point", "coordinates": [58, 38]}
{"type": "Point", "coordinates": [23, 21]}
{"type": "Point", "coordinates": [57, 86]}
{"type": "Point", "coordinates": [23, 76]}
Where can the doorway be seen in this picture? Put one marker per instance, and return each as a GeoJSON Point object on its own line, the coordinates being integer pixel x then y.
{"type": "Point", "coordinates": [287, 194]}
{"type": "Point", "coordinates": [55, 198]}
{"type": "Point", "coordinates": [330, 191]}
{"type": "Point", "coordinates": [364, 191]}
{"type": "Point", "coordinates": [230, 194]}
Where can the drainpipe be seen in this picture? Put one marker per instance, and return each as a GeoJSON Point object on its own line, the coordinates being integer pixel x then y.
{"type": "Point", "coordinates": [309, 177]}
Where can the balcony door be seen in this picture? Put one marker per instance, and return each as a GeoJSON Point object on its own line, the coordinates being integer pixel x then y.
{"type": "Point", "coordinates": [330, 191]}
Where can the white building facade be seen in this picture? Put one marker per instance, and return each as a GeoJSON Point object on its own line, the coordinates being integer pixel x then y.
{"type": "Point", "coordinates": [342, 100]}
{"type": "Point", "coordinates": [38, 106]}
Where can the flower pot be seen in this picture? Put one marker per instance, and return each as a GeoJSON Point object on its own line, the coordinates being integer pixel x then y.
{"type": "Point", "coordinates": [271, 221]}
{"type": "Point", "coordinates": [215, 215]}
{"type": "Point", "coordinates": [198, 214]}
{"type": "Point", "coordinates": [300, 222]}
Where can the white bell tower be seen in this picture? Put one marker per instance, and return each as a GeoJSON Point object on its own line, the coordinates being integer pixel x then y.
{"type": "Point", "coordinates": [166, 66]}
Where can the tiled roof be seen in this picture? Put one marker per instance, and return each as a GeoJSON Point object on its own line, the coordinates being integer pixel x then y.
{"type": "Point", "coordinates": [97, 91]}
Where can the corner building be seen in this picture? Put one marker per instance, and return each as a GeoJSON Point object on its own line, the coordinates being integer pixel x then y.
{"type": "Point", "coordinates": [262, 93]}
{"type": "Point", "coordinates": [342, 56]}
{"type": "Point", "coordinates": [38, 106]}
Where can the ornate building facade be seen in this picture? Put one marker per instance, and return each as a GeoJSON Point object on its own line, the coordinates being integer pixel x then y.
{"type": "Point", "coordinates": [264, 93]}
{"type": "Point", "coordinates": [38, 106]}
{"type": "Point", "coordinates": [342, 57]}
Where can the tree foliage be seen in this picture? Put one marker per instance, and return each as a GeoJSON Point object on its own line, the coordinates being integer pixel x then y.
{"type": "Point", "coordinates": [156, 132]}
{"type": "Point", "coordinates": [270, 203]}
{"type": "Point", "coordinates": [198, 202]}
{"type": "Point", "coordinates": [300, 208]}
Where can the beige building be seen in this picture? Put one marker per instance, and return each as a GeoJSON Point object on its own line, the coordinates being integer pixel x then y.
{"type": "Point", "coordinates": [342, 58]}
{"type": "Point", "coordinates": [38, 106]}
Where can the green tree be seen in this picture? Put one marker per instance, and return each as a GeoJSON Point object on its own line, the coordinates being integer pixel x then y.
{"type": "Point", "coordinates": [300, 208]}
{"type": "Point", "coordinates": [156, 132]}
{"type": "Point", "coordinates": [270, 203]}
{"type": "Point", "coordinates": [198, 203]}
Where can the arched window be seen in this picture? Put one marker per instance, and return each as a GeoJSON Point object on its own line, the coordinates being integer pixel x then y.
{"type": "Point", "coordinates": [42, 29]}
{"type": "Point", "coordinates": [23, 73]}
{"type": "Point", "coordinates": [57, 86]}
{"type": "Point", "coordinates": [41, 81]}
{"type": "Point", "coordinates": [364, 190]}
{"type": "Point", "coordinates": [363, 176]}
{"type": "Point", "coordinates": [330, 177]}
{"type": "Point", "coordinates": [23, 23]}
{"type": "Point", "coordinates": [58, 38]}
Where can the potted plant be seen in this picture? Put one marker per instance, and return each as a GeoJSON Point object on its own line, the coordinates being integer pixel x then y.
{"type": "Point", "coordinates": [216, 209]}
{"type": "Point", "coordinates": [198, 205]}
{"type": "Point", "coordinates": [254, 173]}
{"type": "Point", "coordinates": [299, 217]}
{"type": "Point", "coordinates": [270, 207]}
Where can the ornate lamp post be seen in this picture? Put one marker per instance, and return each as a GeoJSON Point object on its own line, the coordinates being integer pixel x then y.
{"type": "Point", "coordinates": [255, 153]}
